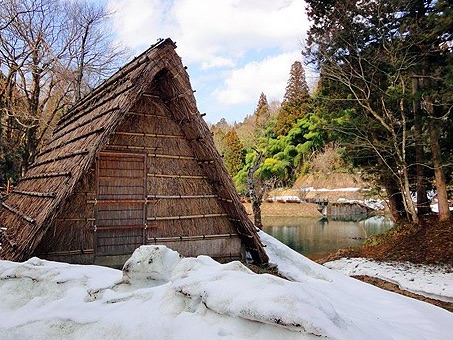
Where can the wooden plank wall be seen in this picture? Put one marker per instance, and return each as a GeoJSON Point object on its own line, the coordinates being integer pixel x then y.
{"type": "Point", "coordinates": [179, 200]}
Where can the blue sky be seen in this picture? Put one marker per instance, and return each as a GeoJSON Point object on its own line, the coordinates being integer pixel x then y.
{"type": "Point", "coordinates": [234, 49]}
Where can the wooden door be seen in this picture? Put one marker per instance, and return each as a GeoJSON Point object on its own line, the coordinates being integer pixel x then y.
{"type": "Point", "coordinates": [120, 212]}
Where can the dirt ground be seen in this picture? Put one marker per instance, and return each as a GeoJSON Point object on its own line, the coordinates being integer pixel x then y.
{"type": "Point", "coordinates": [430, 242]}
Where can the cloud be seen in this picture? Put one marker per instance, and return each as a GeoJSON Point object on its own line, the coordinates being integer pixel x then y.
{"type": "Point", "coordinates": [207, 30]}
{"type": "Point", "coordinates": [231, 27]}
{"type": "Point", "coordinates": [235, 49]}
{"type": "Point", "coordinates": [244, 85]}
{"type": "Point", "coordinates": [139, 23]}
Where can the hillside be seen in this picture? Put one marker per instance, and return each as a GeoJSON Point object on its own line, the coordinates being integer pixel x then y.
{"type": "Point", "coordinates": [339, 184]}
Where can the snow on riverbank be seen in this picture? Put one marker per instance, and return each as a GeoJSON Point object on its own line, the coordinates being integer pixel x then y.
{"type": "Point", "coordinates": [435, 282]}
{"type": "Point", "coordinates": [162, 296]}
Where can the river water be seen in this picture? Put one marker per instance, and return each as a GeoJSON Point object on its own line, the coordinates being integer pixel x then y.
{"type": "Point", "coordinates": [316, 238]}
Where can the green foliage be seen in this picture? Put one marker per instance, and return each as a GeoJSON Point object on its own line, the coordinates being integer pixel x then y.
{"type": "Point", "coordinates": [274, 167]}
{"type": "Point", "coordinates": [285, 154]}
{"type": "Point", "coordinates": [286, 139]}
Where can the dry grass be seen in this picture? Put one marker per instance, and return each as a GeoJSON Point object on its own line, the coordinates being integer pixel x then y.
{"type": "Point", "coordinates": [287, 209]}
{"type": "Point", "coordinates": [339, 179]}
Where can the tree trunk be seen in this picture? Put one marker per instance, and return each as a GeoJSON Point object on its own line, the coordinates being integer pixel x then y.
{"type": "Point", "coordinates": [256, 194]}
{"type": "Point", "coordinates": [256, 208]}
{"type": "Point", "coordinates": [423, 204]}
{"type": "Point", "coordinates": [2, 155]}
{"type": "Point", "coordinates": [441, 186]}
{"type": "Point", "coordinates": [394, 195]}
{"type": "Point", "coordinates": [408, 203]}
{"type": "Point", "coordinates": [395, 201]}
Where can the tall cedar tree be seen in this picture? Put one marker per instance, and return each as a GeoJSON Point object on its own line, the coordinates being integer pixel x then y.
{"type": "Point", "coordinates": [233, 152]}
{"type": "Point", "coordinates": [295, 100]}
{"type": "Point", "coordinates": [262, 111]}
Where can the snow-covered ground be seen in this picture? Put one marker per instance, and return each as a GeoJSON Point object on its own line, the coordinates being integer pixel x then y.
{"type": "Point", "coordinates": [431, 281]}
{"type": "Point", "coordinates": [375, 204]}
{"type": "Point", "coordinates": [159, 295]}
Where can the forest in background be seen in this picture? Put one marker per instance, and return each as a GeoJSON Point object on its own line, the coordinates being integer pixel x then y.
{"type": "Point", "coordinates": [382, 106]}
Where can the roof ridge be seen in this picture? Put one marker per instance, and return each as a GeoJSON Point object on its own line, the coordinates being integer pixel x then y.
{"type": "Point", "coordinates": [122, 71]}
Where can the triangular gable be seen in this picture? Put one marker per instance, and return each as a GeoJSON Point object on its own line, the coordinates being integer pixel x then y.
{"type": "Point", "coordinates": [32, 206]}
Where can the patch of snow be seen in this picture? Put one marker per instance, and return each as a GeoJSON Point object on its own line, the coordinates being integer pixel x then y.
{"type": "Point", "coordinates": [370, 203]}
{"type": "Point", "coordinates": [431, 281]}
{"type": "Point", "coordinates": [335, 190]}
{"type": "Point", "coordinates": [435, 207]}
{"type": "Point", "coordinates": [150, 263]}
{"type": "Point", "coordinates": [289, 199]}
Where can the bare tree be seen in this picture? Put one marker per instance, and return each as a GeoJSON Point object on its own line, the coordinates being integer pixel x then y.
{"type": "Point", "coordinates": [92, 53]}
{"type": "Point", "coordinates": [52, 52]}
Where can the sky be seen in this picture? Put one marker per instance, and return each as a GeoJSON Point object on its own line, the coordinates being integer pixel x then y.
{"type": "Point", "coordinates": [234, 49]}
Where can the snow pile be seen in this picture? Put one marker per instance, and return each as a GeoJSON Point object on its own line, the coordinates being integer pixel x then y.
{"type": "Point", "coordinates": [432, 282]}
{"type": "Point", "coordinates": [160, 295]}
{"type": "Point", "coordinates": [332, 190]}
{"type": "Point", "coordinates": [150, 263]}
{"type": "Point", "coordinates": [284, 199]}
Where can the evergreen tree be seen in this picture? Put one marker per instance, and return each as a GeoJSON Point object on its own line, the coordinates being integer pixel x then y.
{"type": "Point", "coordinates": [296, 89]}
{"type": "Point", "coordinates": [233, 152]}
{"type": "Point", "coordinates": [369, 53]}
{"type": "Point", "coordinates": [295, 101]}
{"type": "Point", "coordinates": [262, 111]}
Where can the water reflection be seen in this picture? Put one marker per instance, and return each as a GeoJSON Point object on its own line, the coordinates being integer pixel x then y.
{"type": "Point", "coordinates": [315, 238]}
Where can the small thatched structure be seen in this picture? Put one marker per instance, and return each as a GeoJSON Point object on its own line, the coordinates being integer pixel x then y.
{"type": "Point", "coordinates": [132, 163]}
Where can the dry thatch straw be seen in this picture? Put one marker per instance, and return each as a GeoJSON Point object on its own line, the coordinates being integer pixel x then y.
{"type": "Point", "coordinates": [132, 163]}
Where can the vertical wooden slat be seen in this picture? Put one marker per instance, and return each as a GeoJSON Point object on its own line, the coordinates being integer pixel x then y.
{"type": "Point", "coordinates": [145, 196]}
{"type": "Point", "coordinates": [121, 202]}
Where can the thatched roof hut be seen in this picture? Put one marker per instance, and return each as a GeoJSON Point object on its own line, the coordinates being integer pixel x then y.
{"type": "Point", "coordinates": [132, 163]}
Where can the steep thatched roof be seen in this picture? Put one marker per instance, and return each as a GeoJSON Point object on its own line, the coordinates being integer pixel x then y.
{"type": "Point", "coordinates": [33, 205]}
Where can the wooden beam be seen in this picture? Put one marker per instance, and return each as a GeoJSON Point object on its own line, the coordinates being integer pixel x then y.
{"type": "Point", "coordinates": [190, 238]}
{"type": "Point", "coordinates": [144, 134]}
{"type": "Point", "coordinates": [35, 193]}
{"type": "Point", "coordinates": [171, 156]}
{"type": "Point", "coordinates": [150, 95]}
{"type": "Point", "coordinates": [61, 133]}
{"type": "Point", "coordinates": [116, 227]}
{"type": "Point", "coordinates": [46, 175]}
{"type": "Point", "coordinates": [102, 202]}
{"type": "Point", "coordinates": [19, 213]}
{"type": "Point", "coordinates": [68, 155]}
{"type": "Point", "coordinates": [169, 218]}
{"type": "Point", "coordinates": [180, 196]}
{"type": "Point", "coordinates": [177, 176]}
{"type": "Point", "coordinates": [69, 252]}
{"type": "Point", "coordinates": [72, 140]}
